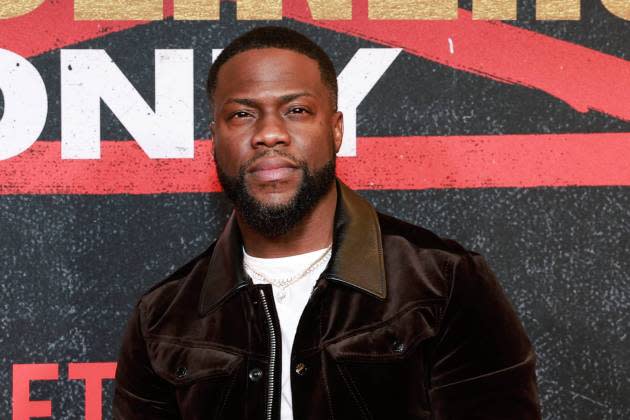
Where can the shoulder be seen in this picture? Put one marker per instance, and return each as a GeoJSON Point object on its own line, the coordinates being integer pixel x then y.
{"type": "Point", "coordinates": [184, 284]}
{"type": "Point", "coordinates": [417, 236]}
{"type": "Point", "coordinates": [403, 238]}
{"type": "Point", "coordinates": [422, 264]}
{"type": "Point", "coordinates": [422, 260]}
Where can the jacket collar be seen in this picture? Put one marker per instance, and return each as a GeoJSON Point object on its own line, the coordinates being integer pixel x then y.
{"type": "Point", "coordinates": [357, 253]}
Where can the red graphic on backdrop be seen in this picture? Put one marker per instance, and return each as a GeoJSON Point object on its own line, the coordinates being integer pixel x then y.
{"type": "Point", "coordinates": [91, 373]}
{"type": "Point", "coordinates": [583, 78]}
{"type": "Point", "coordinates": [406, 163]}
{"type": "Point", "coordinates": [52, 26]}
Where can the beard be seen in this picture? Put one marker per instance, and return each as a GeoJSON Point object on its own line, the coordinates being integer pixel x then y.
{"type": "Point", "coordinates": [276, 220]}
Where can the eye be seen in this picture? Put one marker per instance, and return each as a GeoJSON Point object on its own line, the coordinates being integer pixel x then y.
{"type": "Point", "coordinates": [298, 110]}
{"type": "Point", "coordinates": [241, 114]}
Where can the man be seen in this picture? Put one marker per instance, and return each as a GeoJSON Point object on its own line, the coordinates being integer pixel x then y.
{"type": "Point", "coordinates": [311, 305]}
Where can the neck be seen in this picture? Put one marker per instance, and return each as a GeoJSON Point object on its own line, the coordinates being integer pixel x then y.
{"type": "Point", "coordinates": [314, 232]}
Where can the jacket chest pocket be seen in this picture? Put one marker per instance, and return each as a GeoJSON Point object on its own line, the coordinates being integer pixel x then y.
{"type": "Point", "coordinates": [202, 377]}
{"type": "Point", "coordinates": [383, 367]}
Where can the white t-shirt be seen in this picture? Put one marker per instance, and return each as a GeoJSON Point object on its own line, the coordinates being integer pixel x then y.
{"type": "Point", "coordinates": [289, 304]}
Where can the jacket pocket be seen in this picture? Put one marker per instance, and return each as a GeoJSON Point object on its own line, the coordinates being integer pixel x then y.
{"type": "Point", "coordinates": [203, 377]}
{"type": "Point", "coordinates": [383, 368]}
{"type": "Point", "coordinates": [387, 341]}
{"type": "Point", "coordinates": [182, 364]}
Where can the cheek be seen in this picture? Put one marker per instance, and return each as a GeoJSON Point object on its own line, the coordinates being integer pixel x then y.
{"type": "Point", "coordinates": [232, 144]}
{"type": "Point", "coordinates": [316, 142]}
{"type": "Point", "coordinates": [228, 156]}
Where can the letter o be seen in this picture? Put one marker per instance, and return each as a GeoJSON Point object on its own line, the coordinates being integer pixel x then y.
{"type": "Point", "coordinates": [25, 104]}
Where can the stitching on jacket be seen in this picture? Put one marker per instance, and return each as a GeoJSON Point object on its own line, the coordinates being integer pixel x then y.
{"type": "Point", "coordinates": [382, 358]}
{"type": "Point", "coordinates": [385, 358]}
{"type": "Point", "coordinates": [128, 394]}
{"type": "Point", "coordinates": [377, 228]}
{"type": "Point", "coordinates": [322, 305]}
{"type": "Point", "coordinates": [449, 273]}
{"type": "Point", "coordinates": [326, 386]}
{"type": "Point", "coordinates": [529, 359]}
{"type": "Point", "coordinates": [143, 334]}
{"type": "Point", "coordinates": [449, 270]}
{"type": "Point", "coordinates": [226, 395]}
{"type": "Point", "coordinates": [453, 276]}
{"type": "Point", "coordinates": [201, 345]}
{"type": "Point", "coordinates": [410, 307]}
{"type": "Point", "coordinates": [322, 356]}
{"type": "Point", "coordinates": [354, 391]}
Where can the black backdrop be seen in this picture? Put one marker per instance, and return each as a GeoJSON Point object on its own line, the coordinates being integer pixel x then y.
{"type": "Point", "coordinates": [72, 265]}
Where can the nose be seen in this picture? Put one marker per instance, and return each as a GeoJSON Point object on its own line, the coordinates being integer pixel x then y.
{"type": "Point", "coordinates": [271, 131]}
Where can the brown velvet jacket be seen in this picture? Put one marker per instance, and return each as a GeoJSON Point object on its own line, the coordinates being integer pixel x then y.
{"type": "Point", "coordinates": [401, 325]}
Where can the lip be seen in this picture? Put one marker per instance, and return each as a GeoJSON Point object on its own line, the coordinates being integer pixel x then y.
{"type": "Point", "coordinates": [272, 169]}
{"type": "Point", "coordinates": [271, 163]}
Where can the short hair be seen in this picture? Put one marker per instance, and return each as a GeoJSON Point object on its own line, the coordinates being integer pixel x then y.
{"type": "Point", "coordinates": [276, 37]}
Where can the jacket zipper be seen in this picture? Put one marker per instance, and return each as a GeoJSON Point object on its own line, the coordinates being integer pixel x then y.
{"type": "Point", "coordinates": [272, 357]}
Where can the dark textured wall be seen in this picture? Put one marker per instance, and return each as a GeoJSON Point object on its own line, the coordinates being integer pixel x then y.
{"type": "Point", "coordinates": [72, 266]}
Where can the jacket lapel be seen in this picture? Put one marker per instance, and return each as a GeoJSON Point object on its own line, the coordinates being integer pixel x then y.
{"type": "Point", "coordinates": [225, 270]}
{"type": "Point", "coordinates": [357, 248]}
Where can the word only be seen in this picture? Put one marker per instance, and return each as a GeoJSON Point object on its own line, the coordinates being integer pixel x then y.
{"type": "Point", "coordinates": [163, 131]}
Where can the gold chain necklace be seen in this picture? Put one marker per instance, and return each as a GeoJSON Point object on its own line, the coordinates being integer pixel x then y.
{"type": "Point", "coordinates": [283, 283]}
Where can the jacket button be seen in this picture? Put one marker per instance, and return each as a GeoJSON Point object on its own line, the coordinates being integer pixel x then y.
{"type": "Point", "coordinates": [255, 374]}
{"type": "Point", "coordinates": [181, 372]}
{"type": "Point", "coordinates": [398, 347]}
{"type": "Point", "coordinates": [300, 369]}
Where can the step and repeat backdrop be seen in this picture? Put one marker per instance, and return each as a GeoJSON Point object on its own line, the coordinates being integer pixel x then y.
{"type": "Point", "coordinates": [504, 125]}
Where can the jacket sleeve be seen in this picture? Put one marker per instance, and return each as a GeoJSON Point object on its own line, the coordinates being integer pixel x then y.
{"type": "Point", "coordinates": [483, 365]}
{"type": "Point", "coordinates": [140, 393]}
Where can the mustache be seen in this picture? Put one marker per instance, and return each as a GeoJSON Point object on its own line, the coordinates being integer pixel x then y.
{"type": "Point", "coordinates": [271, 153]}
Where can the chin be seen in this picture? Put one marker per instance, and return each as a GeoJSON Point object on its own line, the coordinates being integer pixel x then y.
{"type": "Point", "coordinates": [273, 198]}
{"type": "Point", "coordinates": [276, 192]}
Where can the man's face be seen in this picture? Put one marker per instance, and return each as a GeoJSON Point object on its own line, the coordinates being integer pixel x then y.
{"type": "Point", "coordinates": [275, 133]}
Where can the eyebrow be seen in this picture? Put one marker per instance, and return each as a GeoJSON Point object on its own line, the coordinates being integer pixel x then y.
{"type": "Point", "coordinates": [283, 99]}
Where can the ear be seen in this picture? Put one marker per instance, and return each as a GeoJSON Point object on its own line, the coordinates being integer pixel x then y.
{"type": "Point", "coordinates": [337, 127]}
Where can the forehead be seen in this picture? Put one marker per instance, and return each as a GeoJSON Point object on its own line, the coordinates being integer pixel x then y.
{"type": "Point", "coordinates": [268, 72]}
